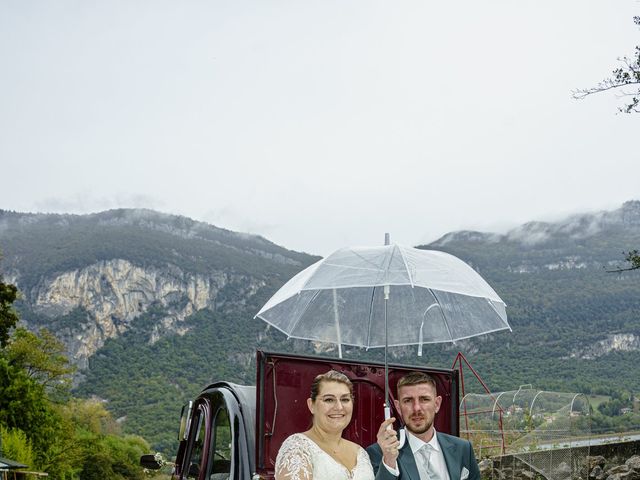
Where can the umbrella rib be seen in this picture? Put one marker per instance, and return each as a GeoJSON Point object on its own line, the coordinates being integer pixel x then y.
{"type": "Point", "coordinates": [350, 267]}
{"type": "Point", "coordinates": [318, 263]}
{"type": "Point", "coordinates": [373, 293]}
{"type": "Point", "coordinates": [365, 260]}
{"type": "Point", "coordinates": [306, 307]}
{"type": "Point", "coordinates": [444, 318]}
{"type": "Point", "coordinates": [496, 310]}
{"type": "Point", "coordinates": [406, 266]}
{"type": "Point", "coordinates": [336, 319]}
{"type": "Point", "coordinates": [375, 266]}
{"type": "Point", "coordinates": [385, 271]}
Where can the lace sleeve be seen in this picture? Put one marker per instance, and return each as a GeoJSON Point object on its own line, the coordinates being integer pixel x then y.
{"type": "Point", "coordinates": [294, 460]}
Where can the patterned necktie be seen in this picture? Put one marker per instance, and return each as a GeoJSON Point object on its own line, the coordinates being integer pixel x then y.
{"type": "Point", "coordinates": [427, 466]}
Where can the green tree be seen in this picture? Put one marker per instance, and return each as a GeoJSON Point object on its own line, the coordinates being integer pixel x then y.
{"type": "Point", "coordinates": [624, 79]}
{"type": "Point", "coordinates": [31, 367]}
{"type": "Point", "coordinates": [8, 316]}
{"type": "Point", "coordinates": [43, 357]}
{"type": "Point", "coordinates": [16, 446]}
{"type": "Point", "coordinates": [24, 405]}
{"type": "Point", "coordinates": [611, 408]}
{"type": "Point", "coordinates": [91, 416]}
{"type": "Point", "coordinates": [106, 454]}
{"type": "Point", "coordinates": [64, 439]}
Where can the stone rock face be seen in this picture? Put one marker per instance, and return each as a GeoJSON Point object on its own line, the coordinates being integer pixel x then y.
{"type": "Point", "coordinates": [633, 462]}
{"type": "Point", "coordinates": [617, 469]}
{"type": "Point", "coordinates": [114, 293]}
{"type": "Point", "coordinates": [597, 473]}
{"type": "Point", "coordinates": [622, 472]}
{"type": "Point", "coordinates": [592, 461]}
{"type": "Point", "coordinates": [611, 461]}
{"type": "Point", "coordinates": [622, 342]}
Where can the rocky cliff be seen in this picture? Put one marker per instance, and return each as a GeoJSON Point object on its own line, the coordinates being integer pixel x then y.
{"type": "Point", "coordinates": [114, 293]}
{"type": "Point", "coordinates": [618, 342]}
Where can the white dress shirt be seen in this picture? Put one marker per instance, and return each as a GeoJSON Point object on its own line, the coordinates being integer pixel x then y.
{"type": "Point", "coordinates": [436, 459]}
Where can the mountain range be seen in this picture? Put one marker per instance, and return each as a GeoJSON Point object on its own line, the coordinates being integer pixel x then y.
{"type": "Point", "coordinates": [152, 306]}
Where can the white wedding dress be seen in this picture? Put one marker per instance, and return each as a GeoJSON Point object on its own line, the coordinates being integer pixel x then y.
{"type": "Point", "coordinates": [300, 458]}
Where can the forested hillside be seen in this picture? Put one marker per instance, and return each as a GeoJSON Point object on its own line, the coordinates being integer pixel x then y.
{"type": "Point", "coordinates": [576, 324]}
{"type": "Point", "coordinates": [576, 327]}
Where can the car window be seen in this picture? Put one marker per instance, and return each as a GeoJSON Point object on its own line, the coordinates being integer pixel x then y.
{"type": "Point", "coordinates": [221, 445]}
{"type": "Point", "coordinates": [197, 439]}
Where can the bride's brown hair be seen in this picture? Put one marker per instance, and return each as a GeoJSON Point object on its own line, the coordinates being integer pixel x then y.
{"type": "Point", "coordinates": [330, 376]}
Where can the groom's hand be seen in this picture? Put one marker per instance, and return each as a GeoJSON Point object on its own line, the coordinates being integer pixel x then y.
{"type": "Point", "coordinates": [388, 442]}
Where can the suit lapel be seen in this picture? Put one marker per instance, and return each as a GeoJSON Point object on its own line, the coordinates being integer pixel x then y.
{"type": "Point", "coordinates": [409, 470]}
{"type": "Point", "coordinates": [452, 457]}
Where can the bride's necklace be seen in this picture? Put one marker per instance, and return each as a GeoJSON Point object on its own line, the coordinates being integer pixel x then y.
{"type": "Point", "coordinates": [337, 452]}
{"type": "Point", "coordinates": [326, 446]}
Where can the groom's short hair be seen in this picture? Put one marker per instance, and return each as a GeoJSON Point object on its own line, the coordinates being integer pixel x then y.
{"type": "Point", "coordinates": [416, 378]}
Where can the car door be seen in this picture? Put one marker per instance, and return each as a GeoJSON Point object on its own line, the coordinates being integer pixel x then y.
{"type": "Point", "coordinates": [221, 440]}
{"type": "Point", "coordinates": [194, 462]}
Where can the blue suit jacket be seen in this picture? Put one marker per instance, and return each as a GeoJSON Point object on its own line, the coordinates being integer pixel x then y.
{"type": "Point", "coordinates": [458, 454]}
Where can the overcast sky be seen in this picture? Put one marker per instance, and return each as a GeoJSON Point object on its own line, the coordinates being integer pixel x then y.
{"type": "Point", "coordinates": [317, 124]}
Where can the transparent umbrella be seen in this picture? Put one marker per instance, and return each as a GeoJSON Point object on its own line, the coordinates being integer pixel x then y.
{"type": "Point", "coordinates": [385, 296]}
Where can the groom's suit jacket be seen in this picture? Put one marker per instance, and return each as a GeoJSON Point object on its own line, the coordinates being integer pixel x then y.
{"type": "Point", "coordinates": [458, 455]}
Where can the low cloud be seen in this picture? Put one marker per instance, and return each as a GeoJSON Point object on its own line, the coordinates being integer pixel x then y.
{"type": "Point", "coordinates": [88, 203]}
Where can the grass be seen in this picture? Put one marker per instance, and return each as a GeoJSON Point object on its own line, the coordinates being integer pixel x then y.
{"type": "Point", "coordinates": [596, 400]}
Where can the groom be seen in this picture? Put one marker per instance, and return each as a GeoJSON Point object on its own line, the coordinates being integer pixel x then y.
{"type": "Point", "coordinates": [426, 454]}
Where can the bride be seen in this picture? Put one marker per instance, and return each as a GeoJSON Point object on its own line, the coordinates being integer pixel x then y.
{"type": "Point", "coordinates": [321, 452]}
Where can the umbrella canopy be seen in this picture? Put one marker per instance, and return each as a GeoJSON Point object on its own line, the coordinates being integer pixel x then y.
{"type": "Point", "coordinates": [430, 297]}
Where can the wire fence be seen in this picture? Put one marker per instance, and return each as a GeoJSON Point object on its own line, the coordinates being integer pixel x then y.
{"type": "Point", "coordinates": [529, 433]}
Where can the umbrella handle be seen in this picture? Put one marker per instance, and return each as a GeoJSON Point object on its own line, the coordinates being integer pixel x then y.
{"type": "Point", "coordinates": [403, 434]}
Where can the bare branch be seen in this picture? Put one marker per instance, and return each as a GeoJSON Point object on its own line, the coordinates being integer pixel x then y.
{"type": "Point", "coordinates": [618, 270]}
{"type": "Point", "coordinates": [633, 258]}
{"type": "Point", "coordinates": [600, 87]}
{"type": "Point", "coordinates": [626, 75]}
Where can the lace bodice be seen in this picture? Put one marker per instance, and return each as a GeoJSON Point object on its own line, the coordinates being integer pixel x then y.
{"type": "Point", "coordinates": [300, 458]}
